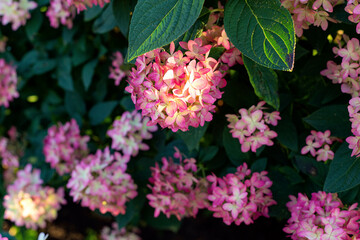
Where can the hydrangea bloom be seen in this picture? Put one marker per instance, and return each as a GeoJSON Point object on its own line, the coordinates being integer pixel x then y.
{"type": "Point", "coordinates": [29, 204]}
{"type": "Point", "coordinates": [60, 11]}
{"type": "Point", "coordinates": [177, 90]}
{"type": "Point", "coordinates": [82, 5]}
{"type": "Point", "coordinates": [8, 81]}
{"type": "Point", "coordinates": [64, 147]}
{"type": "Point", "coordinates": [318, 144]}
{"type": "Point", "coordinates": [306, 13]}
{"type": "Point", "coordinates": [346, 73]}
{"type": "Point", "coordinates": [100, 181]}
{"type": "Point", "coordinates": [251, 127]}
{"type": "Point", "coordinates": [115, 233]}
{"type": "Point", "coordinates": [354, 141]}
{"type": "Point", "coordinates": [322, 217]}
{"type": "Point", "coordinates": [128, 132]}
{"type": "Point", "coordinates": [15, 12]}
{"type": "Point", "coordinates": [175, 190]}
{"type": "Point", "coordinates": [241, 196]}
{"type": "Point", "coordinates": [353, 8]}
{"type": "Point", "coordinates": [116, 72]}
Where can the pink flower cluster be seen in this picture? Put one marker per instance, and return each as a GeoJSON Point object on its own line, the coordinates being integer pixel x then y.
{"type": "Point", "coordinates": [64, 147]}
{"type": "Point", "coordinates": [354, 141]}
{"type": "Point", "coordinates": [306, 13]}
{"type": "Point", "coordinates": [116, 72]}
{"type": "Point", "coordinates": [60, 11]}
{"type": "Point", "coordinates": [8, 81]}
{"type": "Point", "coordinates": [241, 196]}
{"type": "Point", "coordinates": [353, 8]}
{"type": "Point", "coordinates": [3, 238]}
{"type": "Point", "coordinates": [318, 144]}
{"type": "Point", "coordinates": [15, 12]}
{"type": "Point", "coordinates": [82, 5]}
{"type": "Point", "coordinates": [129, 131]}
{"type": "Point", "coordinates": [322, 217]}
{"type": "Point", "coordinates": [251, 127]}
{"type": "Point", "coordinates": [175, 190]}
{"type": "Point", "coordinates": [29, 204]}
{"type": "Point", "coordinates": [115, 233]}
{"type": "Point", "coordinates": [100, 181]}
{"type": "Point", "coordinates": [216, 36]}
{"type": "Point", "coordinates": [346, 73]}
{"type": "Point", "coordinates": [174, 90]}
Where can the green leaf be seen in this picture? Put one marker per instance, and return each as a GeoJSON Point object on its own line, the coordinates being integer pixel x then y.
{"type": "Point", "coordinates": [33, 25]}
{"type": "Point", "coordinates": [315, 170]}
{"type": "Point", "coordinates": [100, 111]}
{"type": "Point", "coordinates": [262, 30]}
{"type": "Point", "coordinates": [63, 74]}
{"type": "Point", "coordinates": [122, 10]}
{"type": "Point", "coordinates": [259, 165]}
{"type": "Point", "coordinates": [87, 73]}
{"type": "Point", "coordinates": [264, 82]}
{"type": "Point", "coordinates": [157, 23]}
{"type": "Point", "coordinates": [233, 149]}
{"type": "Point", "coordinates": [208, 153]}
{"type": "Point", "coordinates": [344, 172]}
{"type": "Point", "coordinates": [287, 134]}
{"type": "Point", "coordinates": [105, 22]}
{"type": "Point", "coordinates": [127, 103]}
{"type": "Point", "coordinates": [91, 13]}
{"type": "Point", "coordinates": [43, 66]}
{"type": "Point", "coordinates": [193, 136]}
{"type": "Point", "coordinates": [334, 118]}
{"type": "Point", "coordinates": [74, 104]}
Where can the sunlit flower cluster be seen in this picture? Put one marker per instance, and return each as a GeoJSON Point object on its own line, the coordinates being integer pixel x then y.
{"type": "Point", "coordinates": [174, 90]}
{"type": "Point", "coordinates": [8, 82]}
{"type": "Point", "coordinates": [322, 217]}
{"type": "Point", "coordinates": [175, 190]}
{"type": "Point", "coordinates": [306, 13]}
{"type": "Point", "coordinates": [241, 196]}
{"type": "Point", "coordinates": [115, 233]}
{"type": "Point", "coordinates": [64, 147]}
{"type": "Point", "coordinates": [216, 36]}
{"type": "Point", "coordinates": [318, 145]}
{"type": "Point", "coordinates": [100, 182]}
{"type": "Point", "coordinates": [29, 204]}
{"type": "Point", "coordinates": [60, 11]}
{"type": "Point", "coordinates": [346, 73]}
{"type": "Point", "coordinates": [251, 127]}
{"type": "Point", "coordinates": [82, 5]}
{"type": "Point", "coordinates": [116, 71]}
{"type": "Point", "coordinates": [15, 12]}
{"type": "Point", "coordinates": [354, 141]}
{"type": "Point", "coordinates": [353, 8]}
{"type": "Point", "coordinates": [129, 131]}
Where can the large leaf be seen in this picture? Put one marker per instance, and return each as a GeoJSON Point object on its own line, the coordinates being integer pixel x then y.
{"type": "Point", "coordinates": [334, 118]}
{"type": "Point", "coordinates": [157, 23]}
{"type": "Point", "coordinates": [287, 133]}
{"type": "Point", "coordinates": [264, 82]}
{"type": "Point", "coordinates": [100, 111]}
{"type": "Point", "coordinates": [63, 74]}
{"type": "Point", "coordinates": [105, 22]}
{"type": "Point", "coordinates": [263, 31]}
{"type": "Point", "coordinates": [344, 172]}
{"type": "Point", "coordinates": [193, 136]}
{"type": "Point", "coordinates": [87, 73]}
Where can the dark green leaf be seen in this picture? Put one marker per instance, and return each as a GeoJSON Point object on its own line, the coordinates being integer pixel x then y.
{"type": "Point", "coordinates": [91, 13]}
{"type": "Point", "coordinates": [105, 22]}
{"type": "Point", "coordinates": [162, 222]}
{"type": "Point", "coordinates": [259, 165]}
{"type": "Point", "coordinates": [74, 104]}
{"type": "Point", "coordinates": [157, 23]}
{"type": "Point", "coordinates": [264, 82]}
{"type": "Point", "coordinates": [87, 73]}
{"type": "Point", "coordinates": [100, 111]}
{"type": "Point", "coordinates": [33, 25]}
{"type": "Point", "coordinates": [287, 134]}
{"type": "Point", "coordinates": [122, 10]}
{"type": "Point", "coordinates": [262, 30]}
{"type": "Point", "coordinates": [208, 153]}
{"type": "Point", "coordinates": [63, 74]}
{"type": "Point", "coordinates": [315, 170]}
{"type": "Point", "coordinates": [43, 66]}
{"type": "Point", "coordinates": [127, 103]}
{"type": "Point", "coordinates": [193, 136]}
{"type": "Point", "coordinates": [334, 118]}
{"type": "Point", "coordinates": [344, 172]}
{"type": "Point", "coordinates": [233, 149]}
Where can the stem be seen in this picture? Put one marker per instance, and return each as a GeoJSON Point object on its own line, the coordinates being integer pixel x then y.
{"type": "Point", "coordinates": [217, 10]}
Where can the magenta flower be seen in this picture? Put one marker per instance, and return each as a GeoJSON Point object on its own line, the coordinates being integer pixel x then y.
{"type": "Point", "coordinates": [240, 197]}
{"type": "Point", "coordinates": [251, 127]}
{"type": "Point", "coordinates": [82, 5]}
{"type": "Point", "coordinates": [174, 188]}
{"type": "Point", "coordinates": [8, 82]}
{"type": "Point", "coordinates": [116, 72]}
{"type": "Point", "coordinates": [60, 11]}
{"type": "Point", "coordinates": [318, 145]}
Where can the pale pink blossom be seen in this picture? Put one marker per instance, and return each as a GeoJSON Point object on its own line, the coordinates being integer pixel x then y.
{"type": "Point", "coordinates": [15, 12]}
{"type": "Point", "coordinates": [8, 83]}
{"type": "Point", "coordinates": [60, 11]}
{"type": "Point", "coordinates": [114, 233]}
{"type": "Point", "coordinates": [116, 72]}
